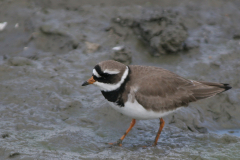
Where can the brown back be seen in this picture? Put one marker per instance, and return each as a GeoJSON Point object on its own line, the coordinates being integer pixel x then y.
{"type": "Point", "coordinates": [158, 89]}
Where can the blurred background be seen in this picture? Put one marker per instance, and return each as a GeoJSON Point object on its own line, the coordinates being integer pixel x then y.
{"type": "Point", "coordinates": [48, 49]}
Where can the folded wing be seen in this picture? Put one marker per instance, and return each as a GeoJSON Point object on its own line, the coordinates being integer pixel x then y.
{"type": "Point", "coordinates": [168, 91]}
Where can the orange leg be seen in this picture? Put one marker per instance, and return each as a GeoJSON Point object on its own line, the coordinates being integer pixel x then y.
{"type": "Point", "coordinates": [119, 142]}
{"type": "Point", "coordinates": [159, 131]}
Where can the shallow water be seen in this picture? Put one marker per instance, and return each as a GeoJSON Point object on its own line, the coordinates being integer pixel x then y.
{"type": "Point", "coordinates": [232, 132]}
{"type": "Point", "coordinates": [45, 113]}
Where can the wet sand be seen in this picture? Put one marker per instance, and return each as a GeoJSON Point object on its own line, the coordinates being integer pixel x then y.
{"type": "Point", "coordinates": [45, 56]}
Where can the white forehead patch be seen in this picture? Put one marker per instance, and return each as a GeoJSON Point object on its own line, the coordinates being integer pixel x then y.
{"type": "Point", "coordinates": [111, 71]}
{"type": "Point", "coordinates": [95, 73]}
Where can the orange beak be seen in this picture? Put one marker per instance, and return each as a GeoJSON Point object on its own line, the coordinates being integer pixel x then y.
{"type": "Point", "coordinates": [90, 81]}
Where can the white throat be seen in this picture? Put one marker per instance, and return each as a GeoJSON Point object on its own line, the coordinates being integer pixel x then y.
{"type": "Point", "coordinates": [110, 87]}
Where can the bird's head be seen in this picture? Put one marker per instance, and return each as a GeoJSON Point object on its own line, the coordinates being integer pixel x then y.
{"type": "Point", "coordinates": [108, 75]}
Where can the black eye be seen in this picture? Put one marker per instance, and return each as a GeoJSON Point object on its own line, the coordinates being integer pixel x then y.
{"type": "Point", "coordinates": [105, 75]}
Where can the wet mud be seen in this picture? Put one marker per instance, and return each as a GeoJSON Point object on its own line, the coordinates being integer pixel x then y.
{"type": "Point", "coordinates": [48, 49]}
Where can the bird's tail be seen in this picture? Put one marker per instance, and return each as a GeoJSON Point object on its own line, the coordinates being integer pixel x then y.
{"type": "Point", "coordinates": [224, 86]}
{"type": "Point", "coordinates": [209, 89]}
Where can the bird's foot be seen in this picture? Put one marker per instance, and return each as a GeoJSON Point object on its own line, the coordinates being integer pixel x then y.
{"type": "Point", "coordinates": [118, 143]}
{"type": "Point", "coordinates": [153, 145]}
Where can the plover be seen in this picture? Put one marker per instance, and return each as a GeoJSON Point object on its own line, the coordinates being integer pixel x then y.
{"type": "Point", "coordinates": [145, 92]}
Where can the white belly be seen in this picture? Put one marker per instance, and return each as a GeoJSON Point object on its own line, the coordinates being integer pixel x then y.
{"type": "Point", "coordinates": [136, 111]}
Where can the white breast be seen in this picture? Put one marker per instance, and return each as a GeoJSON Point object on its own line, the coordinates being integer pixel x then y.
{"type": "Point", "coordinates": [137, 111]}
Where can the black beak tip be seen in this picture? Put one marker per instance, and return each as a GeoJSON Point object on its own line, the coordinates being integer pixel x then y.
{"type": "Point", "coordinates": [85, 83]}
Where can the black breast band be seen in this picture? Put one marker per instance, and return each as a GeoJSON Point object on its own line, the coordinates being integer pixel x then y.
{"type": "Point", "coordinates": [116, 95]}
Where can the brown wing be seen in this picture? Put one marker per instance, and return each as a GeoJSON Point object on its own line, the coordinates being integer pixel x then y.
{"type": "Point", "coordinates": [165, 91]}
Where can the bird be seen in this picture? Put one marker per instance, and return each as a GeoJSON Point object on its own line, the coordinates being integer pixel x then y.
{"type": "Point", "coordinates": [148, 92]}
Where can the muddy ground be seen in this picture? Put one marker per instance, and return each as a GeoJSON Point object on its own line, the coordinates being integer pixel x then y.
{"type": "Point", "coordinates": [48, 48]}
